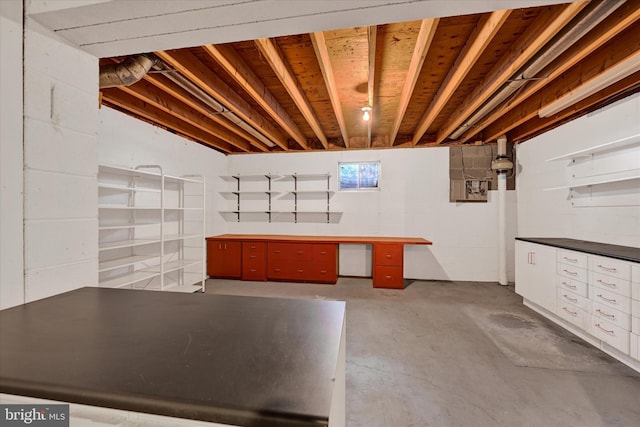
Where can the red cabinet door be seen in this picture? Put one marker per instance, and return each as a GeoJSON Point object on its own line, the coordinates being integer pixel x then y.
{"type": "Point", "coordinates": [224, 259]}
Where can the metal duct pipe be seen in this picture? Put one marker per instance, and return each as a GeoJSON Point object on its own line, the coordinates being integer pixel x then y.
{"type": "Point", "coordinates": [592, 16]}
{"type": "Point", "coordinates": [502, 165]}
{"type": "Point", "coordinates": [126, 73]}
{"type": "Point", "coordinates": [208, 100]}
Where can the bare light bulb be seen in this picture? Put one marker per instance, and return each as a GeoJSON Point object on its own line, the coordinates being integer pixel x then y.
{"type": "Point", "coordinates": [365, 113]}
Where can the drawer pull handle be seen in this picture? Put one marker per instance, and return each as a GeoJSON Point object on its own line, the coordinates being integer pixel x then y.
{"type": "Point", "coordinates": [572, 273]}
{"type": "Point", "coordinates": [611, 285]}
{"type": "Point", "coordinates": [323, 253]}
{"type": "Point", "coordinates": [387, 277]}
{"type": "Point", "coordinates": [612, 333]}
{"type": "Point", "coordinates": [253, 246]}
{"type": "Point", "coordinates": [607, 299]}
{"type": "Point", "coordinates": [299, 252]}
{"type": "Point", "coordinates": [323, 271]}
{"type": "Point", "coordinates": [387, 256]}
{"type": "Point", "coordinates": [570, 259]}
{"type": "Point", "coordinates": [610, 316]}
{"type": "Point", "coordinates": [252, 256]}
{"type": "Point", "coordinates": [276, 269]}
{"type": "Point", "coordinates": [277, 251]}
{"type": "Point", "coordinates": [573, 313]}
{"type": "Point", "coordinates": [253, 270]}
{"type": "Point", "coordinates": [569, 286]}
{"type": "Point", "coordinates": [301, 271]}
{"type": "Point", "coordinates": [612, 269]}
{"type": "Point", "coordinates": [569, 298]}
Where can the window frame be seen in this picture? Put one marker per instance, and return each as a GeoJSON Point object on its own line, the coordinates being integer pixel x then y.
{"type": "Point", "coordinates": [359, 188]}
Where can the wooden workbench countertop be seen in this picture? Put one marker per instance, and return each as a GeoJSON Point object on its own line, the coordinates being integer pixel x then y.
{"type": "Point", "coordinates": [364, 240]}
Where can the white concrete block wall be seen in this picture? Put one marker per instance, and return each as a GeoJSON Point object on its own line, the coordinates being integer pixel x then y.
{"type": "Point", "coordinates": [413, 201]}
{"type": "Point", "coordinates": [60, 160]}
{"type": "Point", "coordinates": [11, 156]}
{"type": "Point", "coordinates": [549, 213]}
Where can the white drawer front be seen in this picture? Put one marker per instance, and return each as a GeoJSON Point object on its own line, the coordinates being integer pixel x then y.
{"type": "Point", "coordinates": [573, 285]}
{"type": "Point", "coordinates": [576, 273]}
{"type": "Point", "coordinates": [612, 315]}
{"type": "Point", "coordinates": [573, 314]}
{"type": "Point", "coordinates": [577, 259]}
{"type": "Point", "coordinates": [613, 335]}
{"type": "Point", "coordinates": [634, 349]}
{"type": "Point", "coordinates": [611, 299]}
{"type": "Point", "coordinates": [614, 284]}
{"type": "Point", "coordinates": [611, 267]}
{"type": "Point", "coordinates": [567, 297]}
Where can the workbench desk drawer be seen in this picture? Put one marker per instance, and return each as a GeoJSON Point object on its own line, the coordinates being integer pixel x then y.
{"type": "Point", "coordinates": [385, 276]}
{"type": "Point", "coordinates": [388, 254]}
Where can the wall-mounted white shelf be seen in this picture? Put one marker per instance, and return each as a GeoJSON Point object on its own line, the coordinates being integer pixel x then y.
{"type": "Point", "coordinates": [604, 175]}
{"type": "Point", "coordinates": [613, 145]}
{"type": "Point", "coordinates": [151, 229]}
{"type": "Point", "coordinates": [253, 191]}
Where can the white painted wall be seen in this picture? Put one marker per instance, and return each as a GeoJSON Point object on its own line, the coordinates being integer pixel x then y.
{"type": "Point", "coordinates": [413, 201]}
{"type": "Point", "coordinates": [11, 158]}
{"type": "Point", "coordinates": [60, 165]}
{"type": "Point", "coordinates": [549, 213]}
{"type": "Point", "coordinates": [124, 141]}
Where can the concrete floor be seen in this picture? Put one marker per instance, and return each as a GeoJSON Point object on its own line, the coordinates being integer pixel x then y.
{"type": "Point", "coordinates": [463, 354]}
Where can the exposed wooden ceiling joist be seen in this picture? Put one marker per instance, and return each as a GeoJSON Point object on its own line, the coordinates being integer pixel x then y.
{"type": "Point", "coordinates": [270, 51]}
{"type": "Point", "coordinates": [189, 66]}
{"type": "Point", "coordinates": [322, 53]}
{"type": "Point", "coordinates": [487, 28]}
{"type": "Point", "coordinates": [372, 35]}
{"type": "Point", "coordinates": [423, 41]}
{"type": "Point", "coordinates": [235, 66]}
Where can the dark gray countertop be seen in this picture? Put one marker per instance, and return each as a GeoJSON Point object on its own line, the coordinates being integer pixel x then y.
{"type": "Point", "coordinates": [625, 253]}
{"type": "Point", "coordinates": [227, 359]}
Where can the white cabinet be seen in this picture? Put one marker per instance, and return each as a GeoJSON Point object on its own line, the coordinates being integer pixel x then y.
{"type": "Point", "coordinates": [151, 229]}
{"type": "Point", "coordinates": [535, 274]}
{"type": "Point", "coordinates": [279, 198]}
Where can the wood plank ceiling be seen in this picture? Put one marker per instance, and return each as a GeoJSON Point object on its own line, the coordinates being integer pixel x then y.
{"type": "Point", "coordinates": [447, 81]}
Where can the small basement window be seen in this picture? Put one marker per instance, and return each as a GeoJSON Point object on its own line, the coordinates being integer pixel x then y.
{"type": "Point", "coordinates": [359, 176]}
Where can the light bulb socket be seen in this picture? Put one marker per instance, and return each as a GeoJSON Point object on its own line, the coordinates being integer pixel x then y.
{"type": "Point", "coordinates": [366, 113]}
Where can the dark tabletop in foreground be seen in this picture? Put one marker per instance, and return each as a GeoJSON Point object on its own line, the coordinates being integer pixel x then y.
{"type": "Point", "coordinates": [626, 253]}
{"type": "Point", "coordinates": [228, 359]}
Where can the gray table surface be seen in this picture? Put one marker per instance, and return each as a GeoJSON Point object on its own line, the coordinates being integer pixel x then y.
{"type": "Point", "coordinates": [227, 359]}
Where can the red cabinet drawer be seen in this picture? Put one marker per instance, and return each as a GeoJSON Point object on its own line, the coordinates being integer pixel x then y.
{"type": "Point", "coordinates": [388, 254]}
{"type": "Point", "coordinates": [324, 252]}
{"type": "Point", "coordinates": [324, 272]}
{"type": "Point", "coordinates": [254, 261]}
{"type": "Point", "coordinates": [301, 251]}
{"type": "Point", "coordinates": [278, 270]}
{"type": "Point", "coordinates": [388, 277]}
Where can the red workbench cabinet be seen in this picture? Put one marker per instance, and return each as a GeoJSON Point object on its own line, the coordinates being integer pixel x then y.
{"type": "Point", "coordinates": [224, 259]}
{"type": "Point", "coordinates": [388, 259]}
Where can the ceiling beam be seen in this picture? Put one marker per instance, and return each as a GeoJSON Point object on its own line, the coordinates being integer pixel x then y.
{"type": "Point", "coordinates": [538, 125]}
{"type": "Point", "coordinates": [618, 22]}
{"type": "Point", "coordinates": [546, 25]}
{"type": "Point", "coordinates": [190, 67]}
{"type": "Point", "coordinates": [372, 35]}
{"type": "Point", "coordinates": [145, 91]}
{"type": "Point", "coordinates": [322, 54]}
{"type": "Point", "coordinates": [423, 42]}
{"type": "Point", "coordinates": [238, 69]}
{"type": "Point", "coordinates": [182, 95]}
{"type": "Point", "coordinates": [140, 108]}
{"type": "Point", "coordinates": [271, 53]}
{"type": "Point", "coordinates": [486, 29]}
{"type": "Point", "coordinates": [617, 50]}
